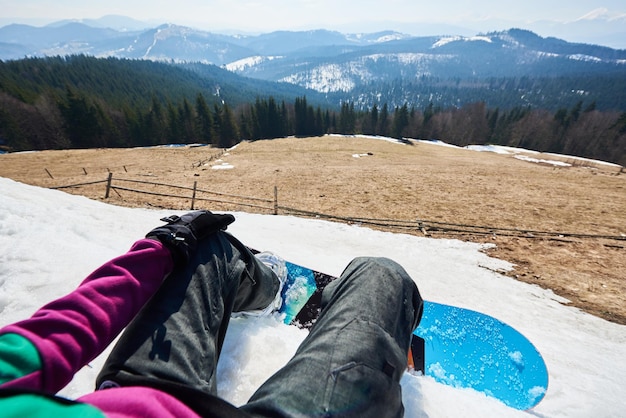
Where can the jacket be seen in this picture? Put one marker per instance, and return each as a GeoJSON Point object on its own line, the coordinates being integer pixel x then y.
{"type": "Point", "coordinates": [40, 355]}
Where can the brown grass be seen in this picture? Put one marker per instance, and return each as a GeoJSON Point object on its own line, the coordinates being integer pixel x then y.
{"type": "Point", "coordinates": [395, 181]}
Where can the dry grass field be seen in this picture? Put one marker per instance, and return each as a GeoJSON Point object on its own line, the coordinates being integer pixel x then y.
{"type": "Point", "coordinates": [371, 178]}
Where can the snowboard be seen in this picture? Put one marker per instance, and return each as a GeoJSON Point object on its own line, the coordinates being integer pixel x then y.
{"type": "Point", "coordinates": [455, 346]}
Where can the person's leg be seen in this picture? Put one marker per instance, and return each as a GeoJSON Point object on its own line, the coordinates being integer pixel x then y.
{"type": "Point", "coordinates": [175, 341]}
{"type": "Point", "coordinates": [351, 363]}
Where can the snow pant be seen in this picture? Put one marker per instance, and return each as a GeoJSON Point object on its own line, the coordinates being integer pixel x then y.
{"type": "Point", "coordinates": [349, 365]}
{"type": "Point", "coordinates": [174, 342]}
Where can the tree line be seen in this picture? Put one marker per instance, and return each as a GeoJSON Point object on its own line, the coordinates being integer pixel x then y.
{"type": "Point", "coordinates": [77, 121]}
{"type": "Point", "coordinates": [88, 113]}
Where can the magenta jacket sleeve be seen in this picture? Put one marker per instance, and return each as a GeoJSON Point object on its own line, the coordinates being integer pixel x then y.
{"type": "Point", "coordinates": [71, 331]}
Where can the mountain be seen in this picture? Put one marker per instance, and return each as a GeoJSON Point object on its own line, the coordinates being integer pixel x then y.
{"type": "Point", "coordinates": [18, 41]}
{"type": "Point", "coordinates": [176, 43]}
{"type": "Point", "coordinates": [598, 26]}
{"type": "Point", "coordinates": [501, 54]}
{"type": "Point", "coordinates": [170, 42]}
{"type": "Point", "coordinates": [117, 22]}
{"type": "Point", "coordinates": [509, 68]}
{"type": "Point", "coordinates": [366, 68]}
{"type": "Point", "coordinates": [125, 38]}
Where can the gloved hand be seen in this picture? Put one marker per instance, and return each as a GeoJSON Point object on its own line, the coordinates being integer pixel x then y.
{"type": "Point", "coordinates": [182, 233]}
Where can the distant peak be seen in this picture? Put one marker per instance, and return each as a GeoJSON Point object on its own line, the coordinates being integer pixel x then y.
{"type": "Point", "coordinates": [602, 13]}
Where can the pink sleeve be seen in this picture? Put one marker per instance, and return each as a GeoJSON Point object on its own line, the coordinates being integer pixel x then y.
{"type": "Point", "coordinates": [71, 331]}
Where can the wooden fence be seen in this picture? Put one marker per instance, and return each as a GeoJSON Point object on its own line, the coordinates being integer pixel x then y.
{"type": "Point", "coordinates": [192, 194]}
{"type": "Point", "coordinates": [271, 205]}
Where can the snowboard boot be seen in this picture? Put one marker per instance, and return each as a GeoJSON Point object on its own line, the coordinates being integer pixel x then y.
{"type": "Point", "coordinates": [279, 268]}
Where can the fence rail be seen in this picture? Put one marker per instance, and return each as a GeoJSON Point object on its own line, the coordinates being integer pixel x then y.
{"type": "Point", "coordinates": [425, 227]}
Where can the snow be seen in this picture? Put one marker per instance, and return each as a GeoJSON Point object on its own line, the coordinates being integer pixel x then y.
{"type": "Point", "coordinates": [542, 161]}
{"type": "Point", "coordinates": [378, 137]}
{"type": "Point", "coordinates": [437, 142]}
{"type": "Point", "coordinates": [245, 63]}
{"type": "Point", "coordinates": [449, 39]}
{"type": "Point", "coordinates": [583, 57]}
{"type": "Point", "coordinates": [586, 160]}
{"type": "Point", "coordinates": [326, 78]}
{"type": "Point", "coordinates": [517, 153]}
{"type": "Point", "coordinates": [222, 165]}
{"type": "Point", "coordinates": [49, 241]}
{"type": "Point", "coordinates": [488, 148]}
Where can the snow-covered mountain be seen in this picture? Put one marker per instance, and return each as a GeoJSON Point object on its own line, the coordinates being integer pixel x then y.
{"type": "Point", "coordinates": [124, 38]}
{"type": "Point", "coordinates": [600, 26]}
{"type": "Point", "coordinates": [360, 67]}
{"type": "Point", "coordinates": [170, 42]}
{"type": "Point", "coordinates": [500, 54]}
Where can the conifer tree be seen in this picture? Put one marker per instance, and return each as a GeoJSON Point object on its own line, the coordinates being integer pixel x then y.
{"type": "Point", "coordinates": [204, 121]}
{"type": "Point", "coordinates": [400, 121]}
{"type": "Point", "coordinates": [383, 125]}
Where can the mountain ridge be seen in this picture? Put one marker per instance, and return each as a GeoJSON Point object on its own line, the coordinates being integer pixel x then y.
{"type": "Point", "coordinates": [358, 67]}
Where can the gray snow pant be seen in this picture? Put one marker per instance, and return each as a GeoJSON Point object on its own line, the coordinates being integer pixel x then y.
{"type": "Point", "coordinates": [349, 365]}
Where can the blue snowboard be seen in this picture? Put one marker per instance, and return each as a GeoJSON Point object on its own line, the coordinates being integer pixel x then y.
{"type": "Point", "coordinates": [455, 346]}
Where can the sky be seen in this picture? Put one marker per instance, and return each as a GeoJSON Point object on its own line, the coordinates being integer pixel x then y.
{"type": "Point", "coordinates": [42, 231]}
{"type": "Point", "coordinates": [360, 16]}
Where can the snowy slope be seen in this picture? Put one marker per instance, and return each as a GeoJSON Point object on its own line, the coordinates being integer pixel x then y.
{"type": "Point", "coordinates": [50, 240]}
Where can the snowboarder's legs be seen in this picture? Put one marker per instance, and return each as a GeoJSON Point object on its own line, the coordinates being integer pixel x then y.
{"type": "Point", "coordinates": [175, 341]}
{"type": "Point", "coordinates": [351, 363]}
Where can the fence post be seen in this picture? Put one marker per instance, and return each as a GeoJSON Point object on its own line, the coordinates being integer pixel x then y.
{"type": "Point", "coordinates": [193, 197]}
{"type": "Point", "coordinates": [275, 200]}
{"type": "Point", "coordinates": [421, 227]}
{"type": "Point", "coordinates": [106, 196]}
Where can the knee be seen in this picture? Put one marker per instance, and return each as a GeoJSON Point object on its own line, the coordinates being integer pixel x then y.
{"type": "Point", "coordinates": [381, 271]}
{"type": "Point", "coordinates": [388, 279]}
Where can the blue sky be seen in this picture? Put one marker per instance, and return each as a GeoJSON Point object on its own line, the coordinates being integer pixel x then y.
{"type": "Point", "coordinates": [346, 16]}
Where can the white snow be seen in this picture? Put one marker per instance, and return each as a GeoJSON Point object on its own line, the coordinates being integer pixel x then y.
{"type": "Point", "coordinates": [222, 166]}
{"type": "Point", "coordinates": [519, 153]}
{"type": "Point", "coordinates": [542, 161]}
{"type": "Point", "coordinates": [488, 148]}
{"type": "Point", "coordinates": [49, 241]}
{"type": "Point", "coordinates": [583, 57]}
{"type": "Point", "coordinates": [326, 78]}
{"type": "Point", "coordinates": [245, 63]}
{"type": "Point", "coordinates": [449, 39]}
{"type": "Point", "coordinates": [586, 160]}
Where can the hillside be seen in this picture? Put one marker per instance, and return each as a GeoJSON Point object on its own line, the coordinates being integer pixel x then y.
{"type": "Point", "coordinates": [130, 83]}
{"type": "Point", "coordinates": [87, 102]}
{"type": "Point", "coordinates": [584, 354]}
{"type": "Point", "coordinates": [367, 178]}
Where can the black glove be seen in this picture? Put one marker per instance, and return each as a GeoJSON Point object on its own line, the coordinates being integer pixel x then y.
{"type": "Point", "coordinates": [182, 233]}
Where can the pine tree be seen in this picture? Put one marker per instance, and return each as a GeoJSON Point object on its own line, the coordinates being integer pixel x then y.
{"type": "Point", "coordinates": [204, 121]}
{"type": "Point", "coordinates": [228, 131]}
{"type": "Point", "coordinates": [374, 120]}
{"type": "Point", "coordinates": [383, 125]}
{"type": "Point", "coordinates": [400, 121]}
{"type": "Point", "coordinates": [187, 122]}
{"type": "Point", "coordinates": [80, 120]}
{"type": "Point", "coordinates": [300, 109]}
